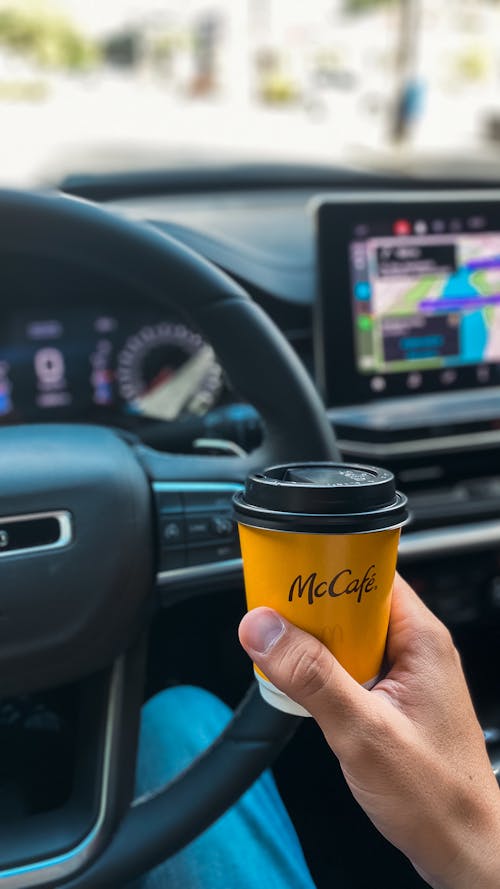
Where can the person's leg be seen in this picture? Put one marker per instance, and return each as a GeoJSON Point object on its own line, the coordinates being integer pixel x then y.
{"type": "Point", "coordinates": [254, 844]}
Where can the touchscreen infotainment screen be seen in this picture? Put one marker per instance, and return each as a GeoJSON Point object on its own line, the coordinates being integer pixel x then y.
{"type": "Point", "coordinates": [409, 295]}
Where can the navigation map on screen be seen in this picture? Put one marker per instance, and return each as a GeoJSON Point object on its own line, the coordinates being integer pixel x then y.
{"type": "Point", "coordinates": [426, 301]}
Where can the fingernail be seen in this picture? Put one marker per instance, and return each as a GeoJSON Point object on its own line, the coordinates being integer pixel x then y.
{"type": "Point", "coordinates": [263, 628]}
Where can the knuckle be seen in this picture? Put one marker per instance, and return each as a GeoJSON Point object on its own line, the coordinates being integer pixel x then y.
{"type": "Point", "coordinates": [444, 642]}
{"type": "Point", "coordinates": [309, 668]}
{"type": "Point", "coordinates": [437, 639]}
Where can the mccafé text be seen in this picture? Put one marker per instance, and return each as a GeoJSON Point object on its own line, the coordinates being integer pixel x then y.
{"type": "Point", "coordinates": [344, 583]}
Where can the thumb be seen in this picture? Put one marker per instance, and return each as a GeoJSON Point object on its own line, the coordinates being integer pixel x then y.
{"type": "Point", "coordinates": [304, 669]}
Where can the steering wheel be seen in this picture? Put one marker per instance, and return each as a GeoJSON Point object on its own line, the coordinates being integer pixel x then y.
{"type": "Point", "coordinates": [80, 507]}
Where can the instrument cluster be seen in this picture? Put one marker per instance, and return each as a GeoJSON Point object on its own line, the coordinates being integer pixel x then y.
{"type": "Point", "coordinates": [90, 364]}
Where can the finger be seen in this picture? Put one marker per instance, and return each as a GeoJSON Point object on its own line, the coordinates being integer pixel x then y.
{"type": "Point", "coordinates": [408, 608]}
{"type": "Point", "coordinates": [301, 667]}
{"type": "Point", "coordinates": [406, 602]}
{"type": "Point", "coordinates": [412, 625]}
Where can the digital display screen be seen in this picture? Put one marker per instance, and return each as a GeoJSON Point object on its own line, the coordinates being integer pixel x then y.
{"type": "Point", "coordinates": [425, 302]}
{"type": "Point", "coordinates": [103, 364]}
{"type": "Point", "coordinates": [411, 300]}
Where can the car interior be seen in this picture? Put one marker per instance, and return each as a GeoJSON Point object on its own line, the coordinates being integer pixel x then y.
{"type": "Point", "coordinates": [165, 332]}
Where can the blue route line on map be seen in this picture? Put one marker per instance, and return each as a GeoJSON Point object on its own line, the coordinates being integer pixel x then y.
{"type": "Point", "coordinates": [460, 303]}
{"type": "Point", "coordinates": [486, 262]}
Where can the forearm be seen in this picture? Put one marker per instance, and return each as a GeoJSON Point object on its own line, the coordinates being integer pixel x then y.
{"type": "Point", "coordinates": [477, 861]}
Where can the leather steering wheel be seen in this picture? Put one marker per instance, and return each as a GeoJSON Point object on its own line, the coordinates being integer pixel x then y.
{"type": "Point", "coordinates": [76, 603]}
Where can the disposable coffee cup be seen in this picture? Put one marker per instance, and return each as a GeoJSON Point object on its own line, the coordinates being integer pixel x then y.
{"type": "Point", "coordinates": [319, 543]}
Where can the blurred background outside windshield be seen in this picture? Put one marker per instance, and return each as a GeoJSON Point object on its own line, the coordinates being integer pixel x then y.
{"type": "Point", "coordinates": [114, 85]}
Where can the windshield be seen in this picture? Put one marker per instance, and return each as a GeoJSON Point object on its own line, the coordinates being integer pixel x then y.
{"type": "Point", "coordinates": [122, 85]}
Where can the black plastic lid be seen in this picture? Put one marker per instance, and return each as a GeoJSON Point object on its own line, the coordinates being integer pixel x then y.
{"type": "Point", "coordinates": [322, 498]}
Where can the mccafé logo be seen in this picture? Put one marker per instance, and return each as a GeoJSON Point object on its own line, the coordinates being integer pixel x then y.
{"type": "Point", "coordinates": [342, 584]}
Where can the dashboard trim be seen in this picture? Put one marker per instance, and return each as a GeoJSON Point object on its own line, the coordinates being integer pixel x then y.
{"type": "Point", "coordinates": [400, 195]}
{"type": "Point", "coordinates": [454, 538]}
{"type": "Point", "coordinates": [225, 569]}
{"type": "Point", "coordinates": [414, 545]}
{"type": "Point", "coordinates": [441, 444]}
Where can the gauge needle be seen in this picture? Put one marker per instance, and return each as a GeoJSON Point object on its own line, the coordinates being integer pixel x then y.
{"type": "Point", "coordinates": [168, 398]}
{"type": "Point", "coordinates": [166, 374]}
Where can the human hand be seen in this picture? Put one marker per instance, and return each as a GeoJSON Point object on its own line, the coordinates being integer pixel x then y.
{"type": "Point", "coordinates": [411, 749]}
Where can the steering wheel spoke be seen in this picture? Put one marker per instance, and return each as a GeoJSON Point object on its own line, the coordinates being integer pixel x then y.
{"type": "Point", "coordinates": [197, 537]}
{"type": "Point", "coordinates": [197, 541]}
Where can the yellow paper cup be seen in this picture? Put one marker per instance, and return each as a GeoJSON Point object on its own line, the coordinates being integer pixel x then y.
{"type": "Point", "coordinates": [319, 544]}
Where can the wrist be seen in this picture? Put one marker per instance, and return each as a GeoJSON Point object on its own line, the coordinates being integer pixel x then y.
{"type": "Point", "coordinates": [477, 862]}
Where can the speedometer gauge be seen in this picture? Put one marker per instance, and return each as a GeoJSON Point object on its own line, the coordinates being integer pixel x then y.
{"type": "Point", "coordinates": [167, 370]}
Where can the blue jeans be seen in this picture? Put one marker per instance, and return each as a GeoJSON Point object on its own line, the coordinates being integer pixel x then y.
{"type": "Point", "coordinates": [253, 845]}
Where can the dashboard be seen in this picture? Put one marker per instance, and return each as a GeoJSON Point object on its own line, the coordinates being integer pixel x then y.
{"type": "Point", "coordinates": [90, 350]}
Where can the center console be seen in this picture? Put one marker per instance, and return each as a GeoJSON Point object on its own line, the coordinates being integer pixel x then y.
{"type": "Point", "coordinates": [407, 355]}
{"type": "Point", "coordinates": [407, 349]}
